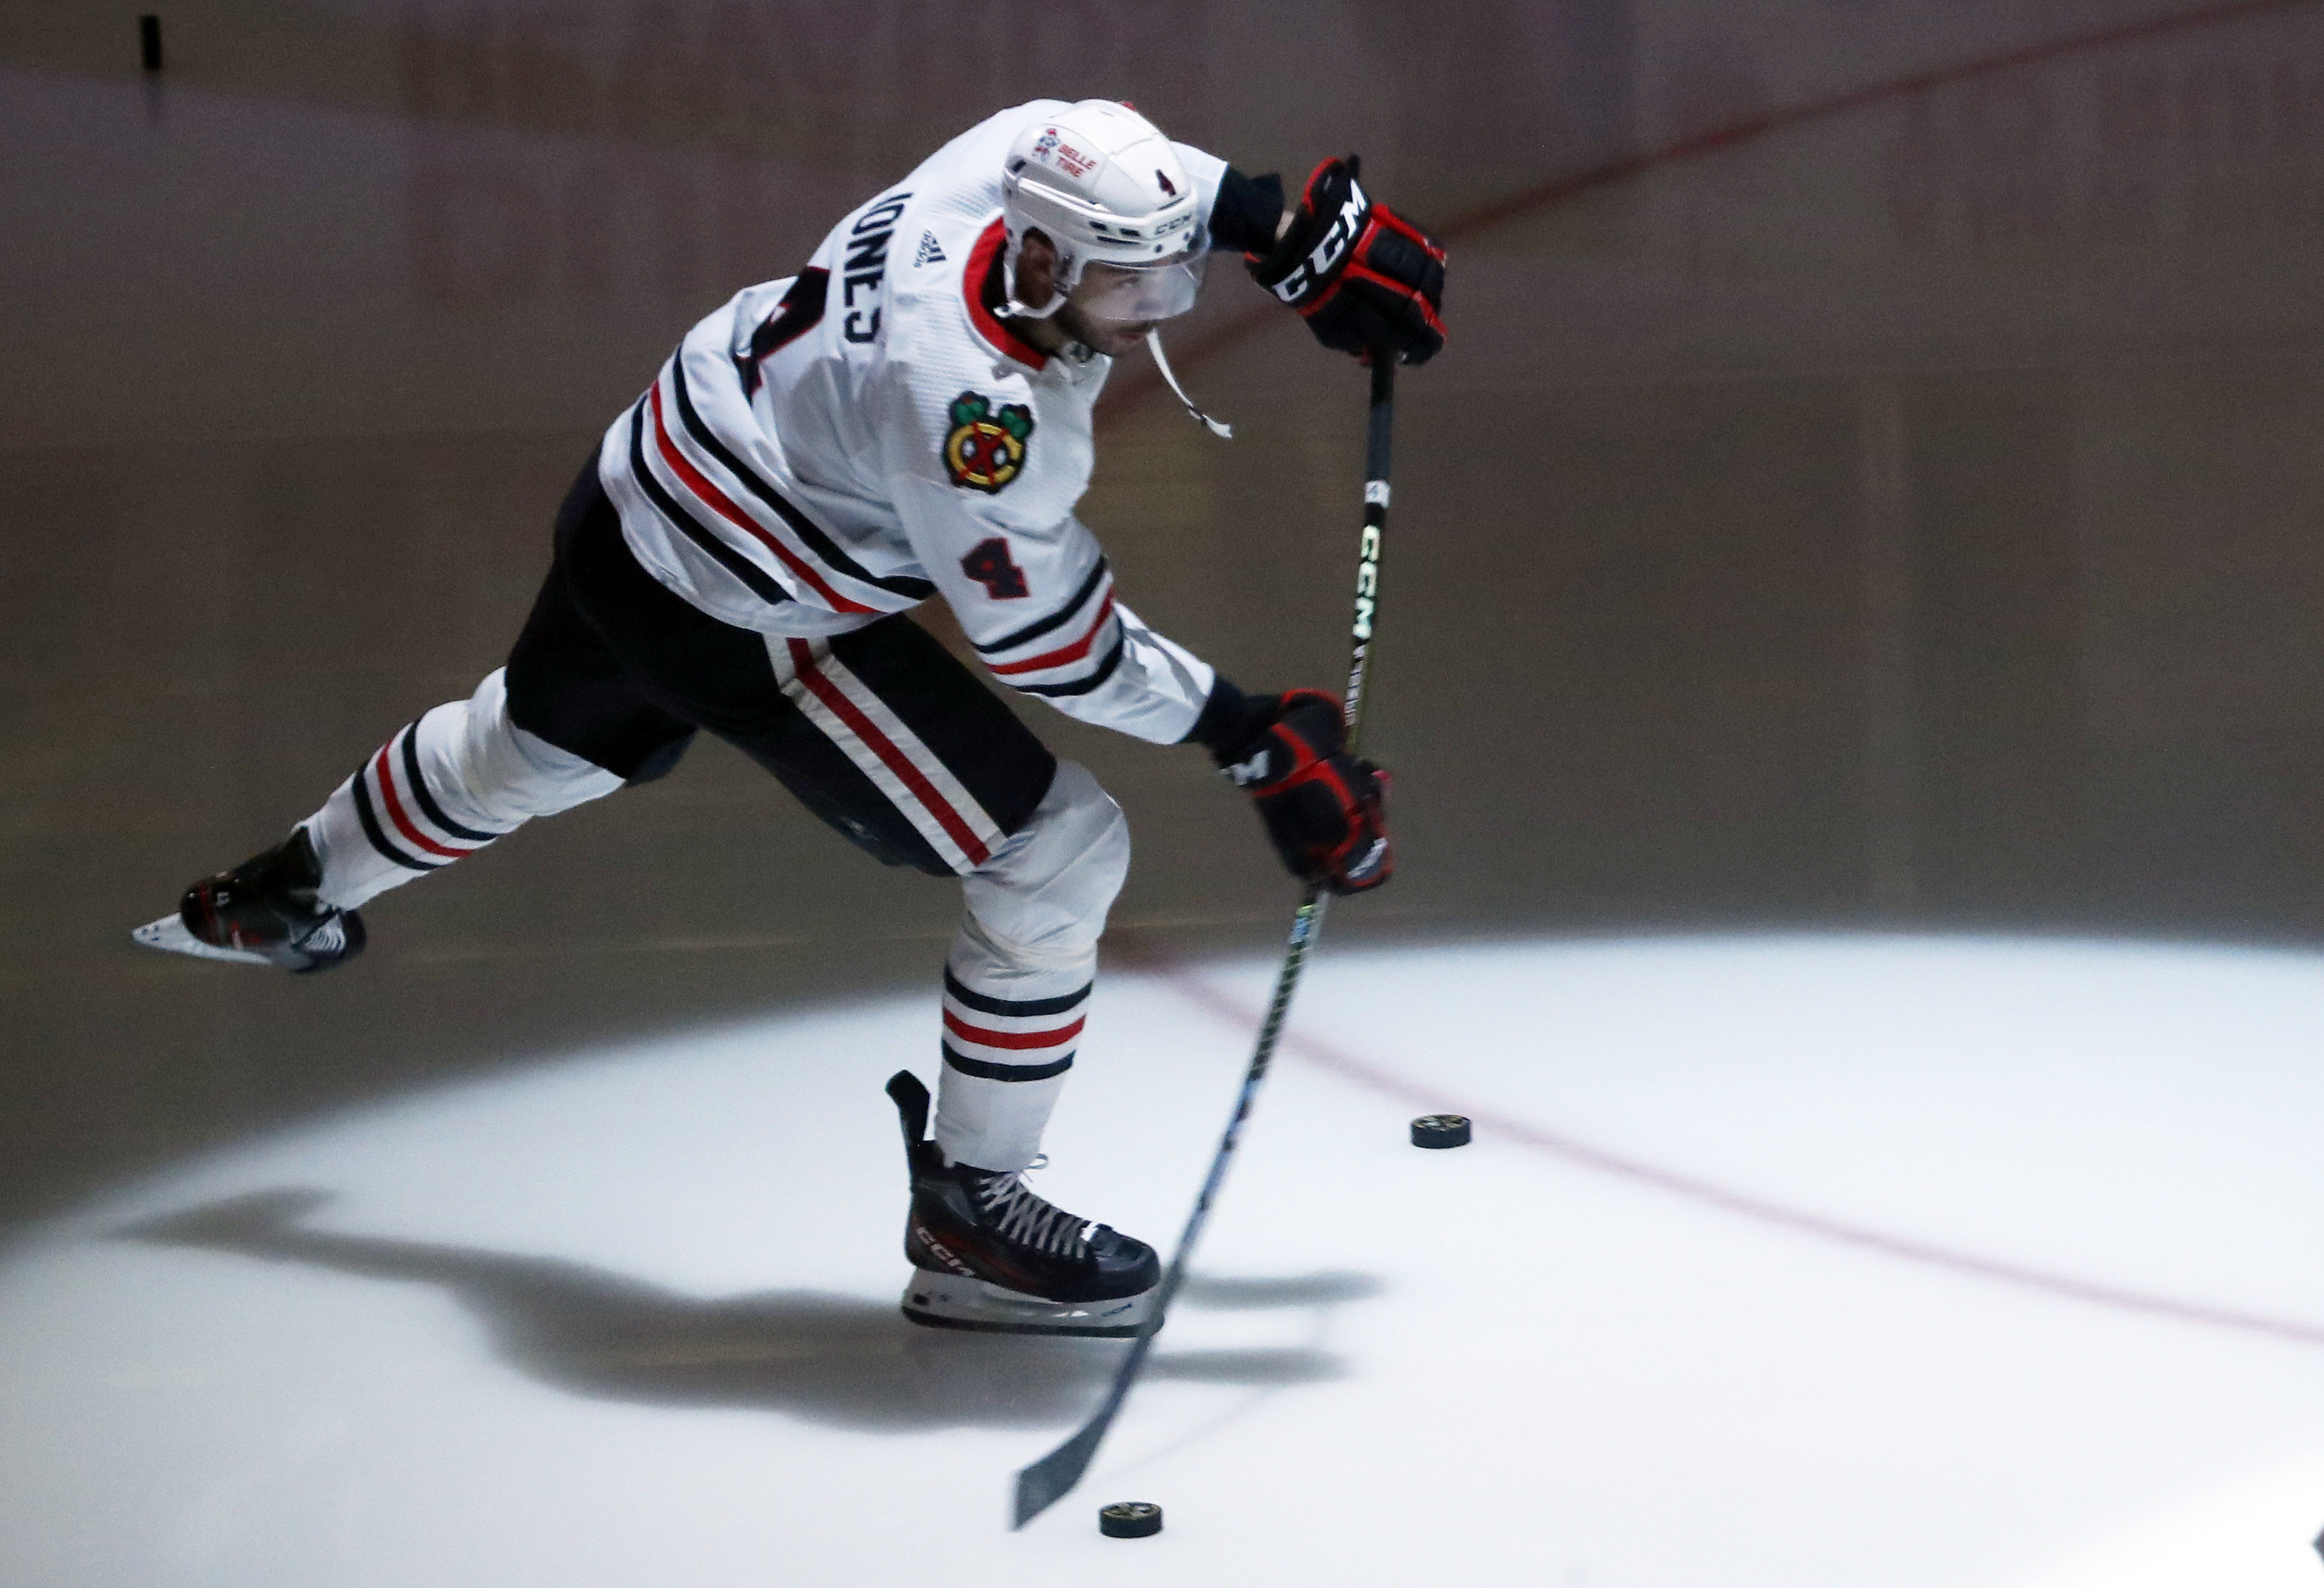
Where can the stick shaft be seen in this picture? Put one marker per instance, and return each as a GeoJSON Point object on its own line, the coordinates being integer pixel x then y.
{"type": "Point", "coordinates": [1378, 454]}
{"type": "Point", "coordinates": [1049, 1479]}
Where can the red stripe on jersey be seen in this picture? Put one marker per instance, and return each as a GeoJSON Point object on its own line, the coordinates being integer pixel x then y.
{"type": "Point", "coordinates": [983, 261]}
{"type": "Point", "coordinates": [1011, 1039]}
{"type": "Point", "coordinates": [886, 748]}
{"type": "Point", "coordinates": [1065, 653]}
{"type": "Point", "coordinates": [699, 483]}
{"type": "Point", "coordinates": [403, 822]}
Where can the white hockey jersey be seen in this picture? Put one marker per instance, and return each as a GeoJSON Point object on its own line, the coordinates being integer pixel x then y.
{"type": "Point", "coordinates": [841, 445]}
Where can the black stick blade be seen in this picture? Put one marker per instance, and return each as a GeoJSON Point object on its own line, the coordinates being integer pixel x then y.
{"type": "Point", "coordinates": [1053, 1477]}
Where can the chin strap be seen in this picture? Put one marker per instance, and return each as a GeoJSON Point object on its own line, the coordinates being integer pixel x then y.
{"type": "Point", "coordinates": [1154, 346]}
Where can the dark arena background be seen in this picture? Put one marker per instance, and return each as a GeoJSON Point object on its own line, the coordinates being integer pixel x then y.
{"type": "Point", "coordinates": [1848, 660]}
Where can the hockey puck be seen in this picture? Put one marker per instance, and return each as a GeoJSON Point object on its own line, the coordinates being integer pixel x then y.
{"type": "Point", "coordinates": [1131, 1518]}
{"type": "Point", "coordinates": [1441, 1130]}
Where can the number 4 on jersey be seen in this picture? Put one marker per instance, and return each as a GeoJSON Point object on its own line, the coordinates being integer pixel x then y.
{"type": "Point", "coordinates": [988, 563]}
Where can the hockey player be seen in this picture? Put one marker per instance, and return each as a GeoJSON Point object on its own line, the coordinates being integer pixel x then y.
{"type": "Point", "coordinates": [910, 416]}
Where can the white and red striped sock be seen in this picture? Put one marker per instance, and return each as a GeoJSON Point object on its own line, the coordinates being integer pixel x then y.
{"type": "Point", "coordinates": [1009, 1040]}
{"type": "Point", "coordinates": [457, 779]}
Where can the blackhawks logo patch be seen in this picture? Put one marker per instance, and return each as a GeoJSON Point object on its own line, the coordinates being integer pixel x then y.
{"type": "Point", "coordinates": [986, 450]}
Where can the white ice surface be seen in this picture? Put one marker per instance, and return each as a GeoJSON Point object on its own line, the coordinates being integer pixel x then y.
{"type": "Point", "coordinates": [630, 1318]}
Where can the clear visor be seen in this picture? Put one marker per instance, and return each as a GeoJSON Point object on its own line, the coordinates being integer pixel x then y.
{"type": "Point", "coordinates": [1135, 294]}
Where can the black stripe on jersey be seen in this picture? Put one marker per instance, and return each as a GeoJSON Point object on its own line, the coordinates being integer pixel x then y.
{"type": "Point", "coordinates": [372, 830]}
{"type": "Point", "coordinates": [1055, 619]}
{"type": "Point", "coordinates": [427, 800]}
{"type": "Point", "coordinates": [800, 311]}
{"type": "Point", "coordinates": [756, 578]}
{"type": "Point", "coordinates": [983, 1071]}
{"type": "Point", "coordinates": [1017, 1008]}
{"type": "Point", "coordinates": [804, 527]}
{"type": "Point", "coordinates": [1080, 685]}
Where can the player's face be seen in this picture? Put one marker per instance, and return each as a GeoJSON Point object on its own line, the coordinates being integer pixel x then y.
{"type": "Point", "coordinates": [1112, 306]}
{"type": "Point", "coordinates": [1113, 338]}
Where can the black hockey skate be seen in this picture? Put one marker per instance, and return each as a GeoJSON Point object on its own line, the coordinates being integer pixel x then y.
{"type": "Point", "coordinates": [989, 1254]}
{"type": "Point", "coordinates": [263, 912]}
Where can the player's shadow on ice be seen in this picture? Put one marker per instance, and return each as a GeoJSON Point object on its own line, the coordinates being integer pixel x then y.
{"type": "Point", "coordinates": [830, 1359]}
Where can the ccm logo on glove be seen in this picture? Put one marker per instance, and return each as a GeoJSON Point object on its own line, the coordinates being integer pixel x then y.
{"type": "Point", "coordinates": [1323, 261]}
{"type": "Point", "coordinates": [1366, 281]}
{"type": "Point", "coordinates": [1323, 810]}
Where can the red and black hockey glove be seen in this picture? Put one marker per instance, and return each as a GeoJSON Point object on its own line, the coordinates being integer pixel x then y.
{"type": "Point", "coordinates": [1322, 808]}
{"type": "Point", "coordinates": [1365, 278]}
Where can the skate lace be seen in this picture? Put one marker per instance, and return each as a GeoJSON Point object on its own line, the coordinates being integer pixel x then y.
{"type": "Point", "coordinates": [1019, 1216]}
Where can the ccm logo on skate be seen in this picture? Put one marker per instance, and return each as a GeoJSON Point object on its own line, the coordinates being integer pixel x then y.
{"type": "Point", "coordinates": [936, 1249]}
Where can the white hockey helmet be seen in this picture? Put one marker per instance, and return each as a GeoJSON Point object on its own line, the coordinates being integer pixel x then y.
{"type": "Point", "coordinates": [1106, 188]}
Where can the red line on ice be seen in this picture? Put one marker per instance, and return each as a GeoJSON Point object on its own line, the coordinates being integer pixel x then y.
{"type": "Point", "coordinates": [1329, 1056]}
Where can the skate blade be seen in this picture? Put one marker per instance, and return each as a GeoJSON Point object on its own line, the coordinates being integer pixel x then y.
{"type": "Point", "coordinates": [947, 1301]}
{"type": "Point", "coordinates": [170, 933]}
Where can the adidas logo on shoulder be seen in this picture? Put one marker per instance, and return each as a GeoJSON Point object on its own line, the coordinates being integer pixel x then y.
{"type": "Point", "coordinates": [928, 252]}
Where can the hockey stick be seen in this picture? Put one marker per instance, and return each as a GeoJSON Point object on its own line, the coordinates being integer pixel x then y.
{"type": "Point", "coordinates": [1049, 1479]}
